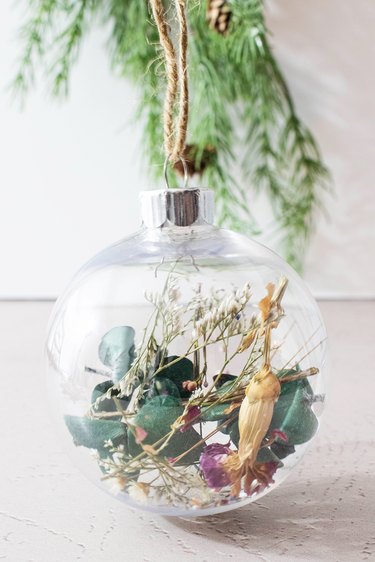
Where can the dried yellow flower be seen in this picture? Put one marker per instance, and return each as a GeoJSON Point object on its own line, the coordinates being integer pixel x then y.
{"type": "Point", "coordinates": [254, 420]}
{"type": "Point", "coordinates": [256, 410]}
{"type": "Point", "coordinates": [270, 311]}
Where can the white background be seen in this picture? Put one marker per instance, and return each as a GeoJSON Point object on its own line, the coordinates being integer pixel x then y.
{"type": "Point", "coordinates": [70, 173]}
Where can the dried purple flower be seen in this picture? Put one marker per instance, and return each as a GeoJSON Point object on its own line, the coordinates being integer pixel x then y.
{"type": "Point", "coordinates": [211, 465]}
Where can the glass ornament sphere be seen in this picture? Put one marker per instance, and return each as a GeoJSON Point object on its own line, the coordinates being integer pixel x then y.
{"type": "Point", "coordinates": [186, 363]}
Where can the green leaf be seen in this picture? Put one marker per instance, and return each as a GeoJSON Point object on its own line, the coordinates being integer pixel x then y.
{"type": "Point", "coordinates": [227, 387]}
{"type": "Point", "coordinates": [222, 379]}
{"type": "Point", "coordinates": [116, 350]}
{"type": "Point", "coordinates": [259, 89]}
{"type": "Point", "coordinates": [293, 414]}
{"type": "Point", "coordinates": [93, 433]}
{"type": "Point", "coordinates": [163, 387]}
{"type": "Point", "coordinates": [107, 404]}
{"type": "Point", "coordinates": [282, 450]}
{"type": "Point", "coordinates": [156, 418]}
{"type": "Point", "coordinates": [215, 413]}
{"type": "Point", "coordinates": [266, 455]}
{"type": "Point", "coordinates": [182, 370]}
{"type": "Point", "coordinates": [100, 389]}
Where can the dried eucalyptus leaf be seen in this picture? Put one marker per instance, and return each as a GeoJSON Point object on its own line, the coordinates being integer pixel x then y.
{"type": "Point", "coordinates": [156, 418]}
{"type": "Point", "coordinates": [222, 379]}
{"type": "Point", "coordinates": [182, 442]}
{"type": "Point", "coordinates": [227, 387]}
{"type": "Point", "coordinates": [116, 350]}
{"type": "Point", "coordinates": [107, 404]}
{"type": "Point", "coordinates": [267, 455]}
{"type": "Point", "coordinates": [181, 371]}
{"type": "Point", "coordinates": [163, 387]}
{"type": "Point", "coordinates": [300, 424]}
{"type": "Point", "coordinates": [92, 433]}
{"type": "Point", "coordinates": [282, 450]}
{"type": "Point", "coordinates": [215, 413]}
{"type": "Point", "coordinates": [293, 414]}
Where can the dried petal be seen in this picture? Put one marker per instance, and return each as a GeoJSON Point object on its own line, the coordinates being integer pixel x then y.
{"type": "Point", "coordinates": [266, 303]}
{"type": "Point", "coordinates": [191, 416]}
{"type": "Point", "coordinates": [233, 406]}
{"type": "Point", "coordinates": [280, 434]}
{"type": "Point", "coordinates": [140, 434]}
{"type": "Point", "coordinates": [248, 340]}
{"type": "Point", "coordinates": [171, 460]}
{"type": "Point", "coordinates": [264, 475]}
{"type": "Point", "coordinates": [211, 463]}
{"type": "Point", "coordinates": [256, 478]}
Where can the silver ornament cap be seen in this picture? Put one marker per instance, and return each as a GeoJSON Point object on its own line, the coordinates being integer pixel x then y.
{"type": "Point", "coordinates": [178, 207]}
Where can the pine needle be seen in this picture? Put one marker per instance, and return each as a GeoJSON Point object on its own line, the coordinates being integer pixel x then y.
{"type": "Point", "coordinates": [236, 84]}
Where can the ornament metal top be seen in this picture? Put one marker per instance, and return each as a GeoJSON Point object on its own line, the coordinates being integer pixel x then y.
{"type": "Point", "coordinates": [178, 207]}
{"type": "Point", "coordinates": [186, 363]}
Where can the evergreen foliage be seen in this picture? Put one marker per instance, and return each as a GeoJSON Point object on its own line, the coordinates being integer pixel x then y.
{"type": "Point", "coordinates": [234, 78]}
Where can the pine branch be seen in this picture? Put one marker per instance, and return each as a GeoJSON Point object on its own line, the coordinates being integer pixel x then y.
{"type": "Point", "coordinates": [282, 156]}
{"type": "Point", "coordinates": [231, 74]}
{"type": "Point", "coordinates": [211, 121]}
{"type": "Point", "coordinates": [135, 53]}
{"type": "Point", "coordinates": [67, 44]}
{"type": "Point", "coordinates": [33, 36]}
{"type": "Point", "coordinates": [51, 38]}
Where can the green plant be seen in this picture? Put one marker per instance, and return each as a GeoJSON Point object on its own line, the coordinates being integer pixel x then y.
{"type": "Point", "coordinates": [234, 77]}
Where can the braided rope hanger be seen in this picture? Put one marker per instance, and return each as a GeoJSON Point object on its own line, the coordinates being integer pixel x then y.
{"type": "Point", "coordinates": [177, 79]}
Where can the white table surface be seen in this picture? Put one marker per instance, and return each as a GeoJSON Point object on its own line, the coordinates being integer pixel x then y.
{"type": "Point", "coordinates": [325, 511]}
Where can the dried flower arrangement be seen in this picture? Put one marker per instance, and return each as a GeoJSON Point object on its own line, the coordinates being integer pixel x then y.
{"type": "Point", "coordinates": [168, 431]}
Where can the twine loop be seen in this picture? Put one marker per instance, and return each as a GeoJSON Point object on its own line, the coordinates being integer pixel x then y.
{"type": "Point", "coordinates": [177, 93]}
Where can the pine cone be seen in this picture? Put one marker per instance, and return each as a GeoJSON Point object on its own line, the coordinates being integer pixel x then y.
{"type": "Point", "coordinates": [190, 156]}
{"type": "Point", "coordinates": [218, 15]}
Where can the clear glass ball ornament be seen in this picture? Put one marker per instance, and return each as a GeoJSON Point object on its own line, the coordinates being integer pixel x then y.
{"type": "Point", "coordinates": [186, 363]}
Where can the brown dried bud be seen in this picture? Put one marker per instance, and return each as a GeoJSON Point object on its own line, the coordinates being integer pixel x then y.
{"type": "Point", "coordinates": [190, 386]}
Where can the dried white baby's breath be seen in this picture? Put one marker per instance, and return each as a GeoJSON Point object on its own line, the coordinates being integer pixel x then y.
{"type": "Point", "coordinates": [138, 492]}
{"type": "Point", "coordinates": [118, 484]}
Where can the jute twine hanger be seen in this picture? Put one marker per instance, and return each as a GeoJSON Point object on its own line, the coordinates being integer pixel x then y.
{"type": "Point", "coordinates": [177, 94]}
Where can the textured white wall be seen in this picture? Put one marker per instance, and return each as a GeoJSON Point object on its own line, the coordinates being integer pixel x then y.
{"type": "Point", "coordinates": [70, 173]}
